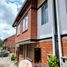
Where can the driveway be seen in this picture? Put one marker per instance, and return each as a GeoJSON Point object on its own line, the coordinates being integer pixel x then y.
{"type": "Point", "coordinates": [6, 62]}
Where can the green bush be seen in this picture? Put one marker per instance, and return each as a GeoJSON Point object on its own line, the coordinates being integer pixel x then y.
{"type": "Point", "coordinates": [53, 61]}
{"type": "Point", "coordinates": [13, 56]}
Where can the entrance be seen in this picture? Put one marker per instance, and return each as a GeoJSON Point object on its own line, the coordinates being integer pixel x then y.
{"type": "Point", "coordinates": [37, 55]}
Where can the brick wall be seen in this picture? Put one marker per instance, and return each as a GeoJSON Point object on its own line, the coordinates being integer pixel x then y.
{"type": "Point", "coordinates": [64, 46]}
{"type": "Point", "coordinates": [10, 42]}
{"type": "Point", "coordinates": [46, 49]}
{"type": "Point", "coordinates": [31, 32]}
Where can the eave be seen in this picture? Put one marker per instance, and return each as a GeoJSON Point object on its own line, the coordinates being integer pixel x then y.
{"type": "Point", "coordinates": [31, 3]}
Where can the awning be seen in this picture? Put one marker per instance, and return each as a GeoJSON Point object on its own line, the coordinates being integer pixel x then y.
{"type": "Point", "coordinates": [25, 42]}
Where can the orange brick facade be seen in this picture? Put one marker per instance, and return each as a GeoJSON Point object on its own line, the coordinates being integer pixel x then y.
{"type": "Point", "coordinates": [64, 46]}
{"type": "Point", "coordinates": [46, 49]}
{"type": "Point", "coordinates": [31, 32]}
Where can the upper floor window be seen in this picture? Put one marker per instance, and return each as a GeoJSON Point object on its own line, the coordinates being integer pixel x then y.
{"type": "Point", "coordinates": [44, 12]}
{"type": "Point", "coordinates": [25, 23]}
{"type": "Point", "coordinates": [66, 4]}
{"type": "Point", "coordinates": [18, 29]}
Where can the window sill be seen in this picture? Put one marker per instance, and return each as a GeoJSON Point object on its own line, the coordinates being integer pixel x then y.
{"type": "Point", "coordinates": [29, 59]}
{"type": "Point", "coordinates": [25, 31]}
{"type": "Point", "coordinates": [18, 35]}
{"type": "Point", "coordinates": [64, 57]}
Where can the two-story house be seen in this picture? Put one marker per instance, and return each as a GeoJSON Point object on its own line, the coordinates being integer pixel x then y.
{"type": "Point", "coordinates": [41, 30]}
{"type": "Point", "coordinates": [10, 43]}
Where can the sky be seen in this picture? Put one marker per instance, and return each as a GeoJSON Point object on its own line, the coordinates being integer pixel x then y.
{"type": "Point", "coordinates": [8, 11]}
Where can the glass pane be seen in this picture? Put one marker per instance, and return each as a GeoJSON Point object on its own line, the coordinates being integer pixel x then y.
{"type": "Point", "coordinates": [29, 51]}
{"type": "Point", "coordinates": [18, 29]}
{"type": "Point", "coordinates": [23, 24]}
{"type": "Point", "coordinates": [27, 22]}
{"type": "Point", "coordinates": [44, 13]}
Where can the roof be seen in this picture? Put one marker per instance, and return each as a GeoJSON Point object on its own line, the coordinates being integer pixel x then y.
{"type": "Point", "coordinates": [22, 10]}
{"type": "Point", "coordinates": [9, 37]}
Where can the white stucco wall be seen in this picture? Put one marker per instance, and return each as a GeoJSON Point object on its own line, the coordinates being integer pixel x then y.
{"type": "Point", "coordinates": [62, 16]}
{"type": "Point", "coordinates": [46, 29]}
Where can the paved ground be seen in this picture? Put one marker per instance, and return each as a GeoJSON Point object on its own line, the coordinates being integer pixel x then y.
{"type": "Point", "coordinates": [6, 62]}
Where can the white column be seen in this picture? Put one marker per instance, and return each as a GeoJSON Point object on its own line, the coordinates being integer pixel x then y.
{"type": "Point", "coordinates": [53, 29]}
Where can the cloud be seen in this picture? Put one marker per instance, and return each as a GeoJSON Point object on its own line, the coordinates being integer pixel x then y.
{"type": "Point", "coordinates": [8, 12]}
{"type": "Point", "coordinates": [6, 30]}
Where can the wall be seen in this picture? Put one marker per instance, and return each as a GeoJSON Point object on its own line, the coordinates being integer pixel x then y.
{"type": "Point", "coordinates": [46, 29]}
{"type": "Point", "coordinates": [46, 49]}
{"type": "Point", "coordinates": [31, 32]}
{"type": "Point", "coordinates": [10, 42]}
{"type": "Point", "coordinates": [62, 16]}
{"type": "Point", "coordinates": [64, 46]}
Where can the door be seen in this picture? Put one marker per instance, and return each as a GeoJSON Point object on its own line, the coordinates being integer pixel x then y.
{"type": "Point", "coordinates": [37, 54]}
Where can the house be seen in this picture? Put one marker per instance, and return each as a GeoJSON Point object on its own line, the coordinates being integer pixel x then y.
{"type": "Point", "coordinates": [41, 30]}
{"type": "Point", "coordinates": [10, 43]}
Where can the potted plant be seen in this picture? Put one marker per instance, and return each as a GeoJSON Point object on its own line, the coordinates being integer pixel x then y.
{"type": "Point", "coordinates": [13, 57]}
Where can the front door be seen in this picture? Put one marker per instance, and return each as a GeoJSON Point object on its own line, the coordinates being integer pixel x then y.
{"type": "Point", "coordinates": [37, 55]}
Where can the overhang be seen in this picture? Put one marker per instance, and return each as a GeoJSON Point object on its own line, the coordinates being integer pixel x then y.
{"type": "Point", "coordinates": [26, 42]}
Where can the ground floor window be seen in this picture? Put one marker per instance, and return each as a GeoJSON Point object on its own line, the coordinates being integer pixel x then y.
{"type": "Point", "coordinates": [37, 54]}
{"type": "Point", "coordinates": [29, 51]}
{"type": "Point", "coordinates": [21, 49]}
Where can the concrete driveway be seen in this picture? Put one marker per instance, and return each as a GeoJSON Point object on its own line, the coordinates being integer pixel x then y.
{"type": "Point", "coordinates": [6, 62]}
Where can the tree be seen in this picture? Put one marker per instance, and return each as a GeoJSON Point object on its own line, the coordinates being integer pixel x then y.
{"type": "Point", "coordinates": [1, 42]}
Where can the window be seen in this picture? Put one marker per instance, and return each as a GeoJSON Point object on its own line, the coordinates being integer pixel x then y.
{"type": "Point", "coordinates": [21, 49]}
{"type": "Point", "coordinates": [44, 11]}
{"type": "Point", "coordinates": [66, 4]}
{"type": "Point", "coordinates": [18, 29]}
{"type": "Point", "coordinates": [29, 51]}
{"type": "Point", "coordinates": [25, 23]}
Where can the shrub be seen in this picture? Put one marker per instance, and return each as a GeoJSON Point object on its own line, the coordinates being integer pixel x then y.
{"type": "Point", "coordinates": [13, 56]}
{"type": "Point", "coordinates": [53, 61]}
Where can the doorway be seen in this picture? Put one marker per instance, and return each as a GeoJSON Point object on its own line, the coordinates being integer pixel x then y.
{"type": "Point", "coordinates": [37, 55]}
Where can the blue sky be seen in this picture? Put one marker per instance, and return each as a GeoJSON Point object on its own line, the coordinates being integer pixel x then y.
{"type": "Point", "coordinates": [8, 12]}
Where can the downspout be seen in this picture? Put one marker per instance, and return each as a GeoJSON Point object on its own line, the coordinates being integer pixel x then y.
{"type": "Point", "coordinates": [59, 31]}
{"type": "Point", "coordinates": [56, 31]}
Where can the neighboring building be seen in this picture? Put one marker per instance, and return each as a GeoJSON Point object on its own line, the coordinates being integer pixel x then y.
{"type": "Point", "coordinates": [41, 30]}
{"type": "Point", "coordinates": [10, 43]}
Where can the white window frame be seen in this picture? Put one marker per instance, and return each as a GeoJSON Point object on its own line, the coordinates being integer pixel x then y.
{"type": "Point", "coordinates": [25, 23]}
{"type": "Point", "coordinates": [18, 29]}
